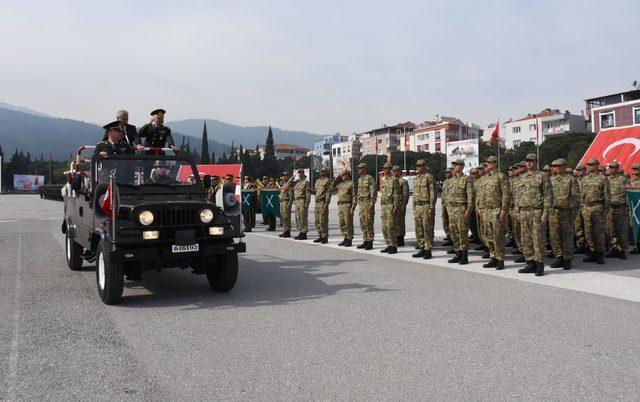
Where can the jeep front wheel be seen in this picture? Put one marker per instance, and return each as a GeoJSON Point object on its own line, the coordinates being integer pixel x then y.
{"type": "Point", "coordinates": [72, 251]}
{"type": "Point", "coordinates": [223, 272]}
{"type": "Point", "coordinates": [109, 275]}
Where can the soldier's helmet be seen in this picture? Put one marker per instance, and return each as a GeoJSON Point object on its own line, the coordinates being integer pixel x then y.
{"type": "Point", "coordinates": [491, 159]}
{"type": "Point", "coordinates": [593, 161]}
{"type": "Point", "coordinates": [161, 163]}
{"type": "Point", "coordinates": [420, 162]}
{"type": "Point", "coordinates": [559, 162]}
{"type": "Point", "coordinates": [614, 164]}
{"type": "Point", "coordinates": [362, 165]}
{"type": "Point", "coordinates": [387, 165]}
{"type": "Point", "coordinates": [396, 167]}
{"type": "Point", "coordinates": [531, 157]}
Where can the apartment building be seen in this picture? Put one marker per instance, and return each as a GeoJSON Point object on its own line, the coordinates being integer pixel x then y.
{"type": "Point", "coordinates": [539, 126]}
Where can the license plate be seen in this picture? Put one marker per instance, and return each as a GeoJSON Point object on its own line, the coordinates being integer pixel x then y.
{"type": "Point", "coordinates": [188, 248]}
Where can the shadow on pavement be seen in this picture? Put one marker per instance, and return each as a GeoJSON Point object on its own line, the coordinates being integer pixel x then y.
{"type": "Point", "coordinates": [265, 282]}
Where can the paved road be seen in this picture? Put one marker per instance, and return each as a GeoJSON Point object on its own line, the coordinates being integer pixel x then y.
{"type": "Point", "coordinates": [309, 322]}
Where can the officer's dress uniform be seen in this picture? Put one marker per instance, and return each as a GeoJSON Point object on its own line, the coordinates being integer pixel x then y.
{"type": "Point", "coordinates": [496, 198]}
{"type": "Point", "coordinates": [302, 199]}
{"type": "Point", "coordinates": [156, 136]}
{"type": "Point", "coordinates": [566, 204]}
{"type": "Point", "coordinates": [424, 200]}
{"type": "Point", "coordinates": [114, 148]}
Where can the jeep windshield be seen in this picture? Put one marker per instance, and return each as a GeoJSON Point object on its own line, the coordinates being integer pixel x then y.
{"type": "Point", "coordinates": [146, 172]}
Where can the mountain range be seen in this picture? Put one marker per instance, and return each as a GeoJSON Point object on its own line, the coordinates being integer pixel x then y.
{"type": "Point", "coordinates": [30, 131]}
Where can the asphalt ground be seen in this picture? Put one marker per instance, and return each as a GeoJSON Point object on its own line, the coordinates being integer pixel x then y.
{"type": "Point", "coordinates": [313, 322]}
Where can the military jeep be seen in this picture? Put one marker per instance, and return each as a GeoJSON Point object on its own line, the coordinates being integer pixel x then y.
{"type": "Point", "coordinates": [135, 213]}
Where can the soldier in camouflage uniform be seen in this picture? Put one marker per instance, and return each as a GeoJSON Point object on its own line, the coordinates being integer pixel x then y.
{"type": "Point", "coordinates": [473, 225]}
{"type": "Point", "coordinates": [496, 198]}
{"type": "Point", "coordinates": [596, 201]}
{"type": "Point", "coordinates": [509, 229]}
{"type": "Point", "coordinates": [286, 195]}
{"type": "Point", "coordinates": [366, 197]}
{"type": "Point", "coordinates": [635, 179]}
{"type": "Point", "coordinates": [460, 205]}
{"type": "Point", "coordinates": [515, 196]}
{"type": "Point", "coordinates": [445, 214]}
{"type": "Point", "coordinates": [479, 208]}
{"type": "Point", "coordinates": [581, 242]}
{"type": "Point", "coordinates": [566, 204]}
{"type": "Point", "coordinates": [346, 193]}
{"type": "Point", "coordinates": [302, 198]}
{"type": "Point", "coordinates": [618, 215]}
{"type": "Point", "coordinates": [390, 200]}
{"type": "Point", "coordinates": [322, 191]}
{"type": "Point", "coordinates": [424, 207]}
{"type": "Point", "coordinates": [402, 209]}
{"type": "Point", "coordinates": [534, 205]}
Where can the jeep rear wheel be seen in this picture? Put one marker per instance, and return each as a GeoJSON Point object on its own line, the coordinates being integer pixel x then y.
{"type": "Point", "coordinates": [223, 272]}
{"type": "Point", "coordinates": [72, 251]}
{"type": "Point", "coordinates": [109, 276]}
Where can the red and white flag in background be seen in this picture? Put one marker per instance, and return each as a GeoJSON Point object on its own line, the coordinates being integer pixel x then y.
{"type": "Point", "coordinates": [495, 135]}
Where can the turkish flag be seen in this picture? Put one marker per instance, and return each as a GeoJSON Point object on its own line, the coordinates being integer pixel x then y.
{"type": "Point", "coordinates": [496, 132]}
{"type": "Point", "coordinates": [106, 201]}
{"type": "Point", "coordinates": [619, 144]}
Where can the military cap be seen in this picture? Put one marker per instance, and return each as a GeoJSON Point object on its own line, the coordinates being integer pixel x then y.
{"type": "Point", "coordinates": [559, 162]}
{"type": "Point", "coordinates": [473, 171]}
{"type": "Point", "coordinates": [483, 165]}
{"type": "Point", "coordinates": [447, 170]}
{"type": "Point", "coordinates": [511, 167]}
{"type": "Point", "coordinates": [614, 164]}
{"type": "Point", "coordinates": [568, 170]}
{"type": "Point", "coordinates": [301, 170]}
{"type": "Point", "coordinates": [579, 166]}
{"type": "Point", "coordinates": [158, 112]}
{"type": "Point", "coordinates": [113, 126]}
{"type": "Point", "coordinates": [395, 167]}
{"type": "Point", "coordinates": [265, 177]}
{"type": "Point", "coordinates": [361, 165]}
{"type": "Point", "coordinates": [420, 162]}
{"type": "Point", "coordinates": [593, 161]}
{"type": "Point", "coordinates": [531, 157]}
{"type": "Point", "coordinates": [323, 169]}
{"type": "Point", "coordinates": [458, 162]}
{"type": "Point", "coordinates": [248, 177]}
{"type": "Point", "coordinates": [635, 166]}
{"type": "Point", "coordinates": [545, 168]}
{"type": "Point", "coordinates": [387, 165]}
{"type": "Point", "coordinates": [491, 159]}
{"type": "Point", "coordinates": [520, 164]}
{"type": "Point", "coordinates": [161, 163]}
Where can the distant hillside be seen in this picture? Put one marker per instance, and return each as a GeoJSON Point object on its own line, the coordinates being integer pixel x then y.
{"type": "Point", "coordinates": [21, 109]}
{"type": "Point", "coordinates": [40, 134]}
{"type": "Point", "coordinates": [247, 136]}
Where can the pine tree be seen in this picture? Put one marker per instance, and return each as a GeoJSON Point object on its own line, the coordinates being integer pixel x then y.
{"type": "Point", "coordinates": [205, 146]}
{"type": "Point", "coordinates": [270, 162]}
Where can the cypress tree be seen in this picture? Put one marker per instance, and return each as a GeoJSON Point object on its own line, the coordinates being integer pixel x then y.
{"type": "Point", "coordinates": [205, 146]}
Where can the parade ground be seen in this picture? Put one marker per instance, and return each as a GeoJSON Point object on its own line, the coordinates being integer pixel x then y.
{"type": "Point", "coordinates": [310, 321]}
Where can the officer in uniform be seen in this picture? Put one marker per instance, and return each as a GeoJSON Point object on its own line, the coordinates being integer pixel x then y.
{"type": "Point", "coordinates": [302, 198]}
{"type": "Point", "coordinates": [424, 209]}
{"type": "Point", "coordinates": [618, 214]}
{"type": "Point", "coordinates": [460, 203]}
{"type": "Point", "coordinates": [114, 145]}
{"type": "Point", "coordinates": [448, 173]}
{"type": "Point", "coordinates": [367, 194]}
{"type": "Point", "coordinates": [534, 206]}
{"type": "Point", "coordinates": [346, 193]}
{"type": "Point", "coordinates": [322, 191]}
{"type": "Point", "coordinates": [496, 196]}
{"type": "Point", "coordinates": [286, 197]}
{"type": "Point", "coordinates": [566, 204]}
{"type": "Point", "coordinates": [250, 222]}
{"type": "Point", "coordinates": [596, 201]}
{"type": "Point", "coordinates": [402, 210]}
{"type": "Point", "coordinates": [156, 134]}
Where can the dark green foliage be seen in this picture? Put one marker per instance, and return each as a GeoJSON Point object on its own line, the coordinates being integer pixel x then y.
{"type": "Point", "coordinates": [205, 146]}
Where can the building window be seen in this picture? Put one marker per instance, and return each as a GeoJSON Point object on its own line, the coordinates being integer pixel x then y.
{"type": "Point", "coordinates": [437, 137]}
{"type": "Point", "coordinates": [516, 143]}
{"type": "Point", "coordinates": [636, 115]}
{"type": "Point", "coordinates": [438, 147]}
{"type": "Point", "coordinates": [515, 130]}
{"type": "Point", "coordinates": [607, 120]}
{"type": "Point", "coordinates": [532, 127]}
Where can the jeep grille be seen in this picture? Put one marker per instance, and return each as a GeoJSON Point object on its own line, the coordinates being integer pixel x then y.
{"type": "Point", "coordinates": [182, 216]}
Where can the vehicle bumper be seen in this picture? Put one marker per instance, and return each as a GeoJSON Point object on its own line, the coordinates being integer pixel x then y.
{"type": "Point", "coordinates": [162, 252]}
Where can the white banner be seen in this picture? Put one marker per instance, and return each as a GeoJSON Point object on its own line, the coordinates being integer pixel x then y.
{"type": "Point", "coordinates": [469, 150]}
{"type": "Point", "coordinates": [27, 182]}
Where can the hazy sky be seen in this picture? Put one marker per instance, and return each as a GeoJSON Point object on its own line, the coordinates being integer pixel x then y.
{"type": "Point", "coordinates": [320, 66]}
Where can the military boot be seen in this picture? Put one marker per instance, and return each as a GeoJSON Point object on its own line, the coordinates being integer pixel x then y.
{"type": "Point", "coordinates": [599, 258]}
{"type": "Point", "coordinates": [516, 252]}
{"type": "Point", "coordinates": [286, 233]}
{"type": "Point", "coordinates": [499, 265]}
{"type": "Point", "coordinates": [325, 240]}
{"type": "Point", "coordinates": [400, 240]}
{"type": "Point", "coordinates": [369, 245]}
{"type": "Point", "coordinates": [347, 243]}
{"type": "Point", "coordinates": [582, 249]}
{"type": "Point", "coordinates": [539, 268]}
{"type": "Point", "coordinates": [613, 253]}
{"type": "Point", "coordinates": [318, 240]}
{"type": "Point", "coordinates": [520, 258]}
{"type": "Point", "coordinates": [479, 248]}
{"type": "Point", "coordinates": [464, 258]}
{"type": "Point", "coordinates": [392, 250]}
{"type": "Point", "coordinates": [622, 254]}
{"type": "Point", "coordinates": [566, 264]}
{"type": "Point", "coordinates": [558, 263]}
{"type": "Point", "coordinates": [363, 245]}
{"type": "Point", "coordinates": [486, 255]}
{"type": "Point", "coordinates": [419, 254]}
{"type": "Point", "coordinates": [447, 243]}
{"type": "Point", "coordinates": [385, 250]}
{"type": "Point", "coordinates": [529, 268]}
{"type": "Point", "coordinates": [491, 264]}
{"type": "Point", "coordinates": [591, 257]}
{"type": "Point", "coordinates": [455, 259]}
{"type": "Point", "coordinates": [342, 243]}
{"type": "Point", "coordinates": [550, 255]}
{"type": "Point", "coordinates": [451, 251]}
{"type": "Point", "coordinates": [427, 255]}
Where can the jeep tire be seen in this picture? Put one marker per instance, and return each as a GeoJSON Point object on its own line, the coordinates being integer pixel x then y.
{"type": "Point", "coordinates": [109, 275]}
{"type": "Point", "coordinates": [72, 251]}
{"type": "Point", "coordinates": [223, 272]}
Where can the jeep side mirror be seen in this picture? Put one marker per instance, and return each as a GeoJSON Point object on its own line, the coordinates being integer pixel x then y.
{"type": "Point", "coordinates": [206, 181]}
{"type": "Point", "coordinates": [76, 183]}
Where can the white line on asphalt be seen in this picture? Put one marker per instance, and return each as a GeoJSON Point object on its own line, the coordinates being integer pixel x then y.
{"type": "Point", "coordinates": [48, 219]}
{"type": "Point", "coordinates": [13, 357]}
{"type": "Point", "coordinates": [599, 283]}
{"type": "Point", "coordinates": [9, 221]}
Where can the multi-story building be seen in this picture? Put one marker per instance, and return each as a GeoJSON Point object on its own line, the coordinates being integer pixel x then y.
{"type": "Point", "coordinates": [323, 147]}
{"type": "Point", "coordinates": [283, 151]}
{"type": "Point", "coordinates": [385, 139]}
{"type": "Point", "coordinates": [432, 136]}
{"type": "Point", "coordinates": [616, 110]}
{"type": "Point", "coordinates": [539, 126]}
{"type": "Point", "coordinates": [346, 152]}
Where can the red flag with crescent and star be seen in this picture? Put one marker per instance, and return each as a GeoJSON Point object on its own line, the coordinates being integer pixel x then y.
{"type": "Point", "coordinates": [619, 144]}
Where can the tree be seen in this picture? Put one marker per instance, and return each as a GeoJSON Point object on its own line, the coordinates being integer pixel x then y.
{"type": "Point", "coordinates": [205, 146]}
{"type": "Point", "coordinates": [270, 162]}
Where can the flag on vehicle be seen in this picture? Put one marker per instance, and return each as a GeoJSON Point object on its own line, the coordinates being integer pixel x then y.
{"type": "Point", "coordinates": [109, 203]}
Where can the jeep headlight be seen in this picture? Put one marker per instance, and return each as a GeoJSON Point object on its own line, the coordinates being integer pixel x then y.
{"type": "Point", "coordinates": [146, 218]}
{"type": "Point", "coordinates": [206, 215]}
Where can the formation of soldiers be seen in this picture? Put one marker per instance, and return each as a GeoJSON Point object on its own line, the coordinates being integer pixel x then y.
{"type": "Point", "coordinates": [563, 210]}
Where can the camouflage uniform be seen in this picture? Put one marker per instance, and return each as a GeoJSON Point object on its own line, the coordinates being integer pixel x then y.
{"type": "Point", "coordinates": [495, 196]}
{"type": "Point", "coordinates": [460, 202]}
{"type": "Point", "coordinates": [596, 200]}
{"type": "Point", "coordinates": [535, 201]}
{"type": "Point", "coordinates": [402, 209]}
{"type": "Point", "coordinates": [367, 194]}
{"type": "Point", "coordinates": [285, 205]}
{"type": "Point", "coordinates": [618, 216]}
{"type": "Point", "coordinates": [390, 200]}
{"type": "Point", "coordinates": [302, 198]}
{"type": "Point", "coordinates": [424, 200]}
{"type": "Point", "coordinates": [579, 221]}
{"type": "Point", "coordinates": [479, 207]}
{"type": "Point", "coordinates": [566, 204]}
{"type": "Point", "coordinates": [321, 190]}
{"type": "Point", "coordinates": [443, 206]}
{"type": "Point", "coordinates": [346, 194]}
